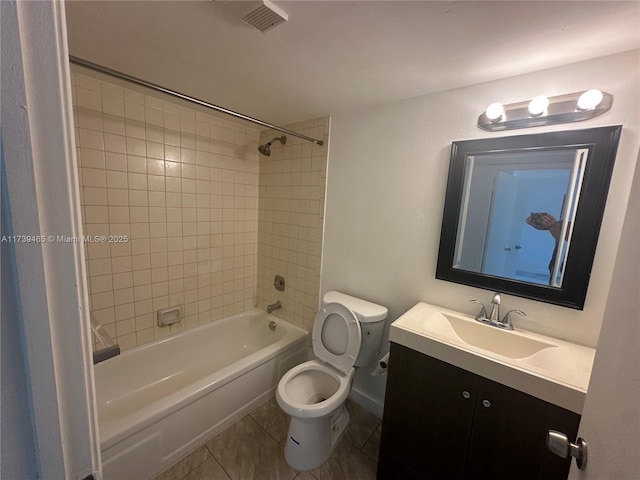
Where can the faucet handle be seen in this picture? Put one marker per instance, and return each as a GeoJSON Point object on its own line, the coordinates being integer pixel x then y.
{"type": "Point", "coordinates": [506, 320]}
{"type": "Point", "coordinates": [483, 310]}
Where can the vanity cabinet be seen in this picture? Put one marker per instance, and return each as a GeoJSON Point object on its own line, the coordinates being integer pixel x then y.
{"type": "Point", "coordinates": [442, 422]}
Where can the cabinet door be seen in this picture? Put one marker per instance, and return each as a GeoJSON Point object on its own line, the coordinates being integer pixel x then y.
{"type": "Point", "coordinates": [508, 440]}
{"type": "Point", "coordinates": [427, 418]}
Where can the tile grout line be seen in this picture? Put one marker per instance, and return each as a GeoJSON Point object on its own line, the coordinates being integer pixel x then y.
{"type": "Point", "coordinates": [214, 457]}
{"type": "Point", "coordinates": [263, 428]}
{"type": "Point", "coordinates": [370, 436]}
{"type": "Point", "coordinates": [280, 446]}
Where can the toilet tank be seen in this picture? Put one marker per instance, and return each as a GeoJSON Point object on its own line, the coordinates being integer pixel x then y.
{"type": "Point", "coordinates": [371, 317]}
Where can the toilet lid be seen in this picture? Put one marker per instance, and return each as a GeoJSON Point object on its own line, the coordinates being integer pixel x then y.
{"type": "Point", "coordinates": [336, 336]}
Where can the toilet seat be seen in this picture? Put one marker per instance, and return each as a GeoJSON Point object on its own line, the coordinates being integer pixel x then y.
{"type": "Point", "coordinates": [337, 336]}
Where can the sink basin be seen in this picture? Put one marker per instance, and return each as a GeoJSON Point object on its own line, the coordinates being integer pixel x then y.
{"type": "Point", "coordinates": [572, 365]}
{"type": "Point", "coordinates": [495, 340]}
{"type": "Point", "coordinates": [545, 367]}
{"type": "Point", "coordinates": [467, 331]}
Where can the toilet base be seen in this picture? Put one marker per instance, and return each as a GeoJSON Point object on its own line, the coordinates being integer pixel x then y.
{"type": "Point", "coordinates": [310, 441]}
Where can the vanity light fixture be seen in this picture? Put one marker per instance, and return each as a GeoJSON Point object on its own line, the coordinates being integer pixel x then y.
{"type": "Point", "coordinates": [573, 107]}
{"type": "Point", "coordinates": [495, 112]}
{"type": "Point", "coordinates": [538, 106]}
{"type": "Point", "coordinates": [590, 100]}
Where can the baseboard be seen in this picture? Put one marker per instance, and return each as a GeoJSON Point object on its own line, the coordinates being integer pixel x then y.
{"type": "Point", "coordinates": [368, 403]}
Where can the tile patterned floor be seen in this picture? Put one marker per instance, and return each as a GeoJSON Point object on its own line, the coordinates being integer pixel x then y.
{"type": "Point", "coordinates": [253, 449]}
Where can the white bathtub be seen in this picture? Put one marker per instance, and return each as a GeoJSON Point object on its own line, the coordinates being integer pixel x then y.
{"type": "Point", "coordinates": [159, 401]}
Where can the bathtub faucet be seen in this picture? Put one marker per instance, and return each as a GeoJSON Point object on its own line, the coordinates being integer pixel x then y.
{"type": "Point", "coordinates": [274, 306]}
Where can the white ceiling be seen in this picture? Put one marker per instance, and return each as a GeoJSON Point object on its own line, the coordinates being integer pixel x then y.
{"type": "Point", "coordinates": [335, 56]}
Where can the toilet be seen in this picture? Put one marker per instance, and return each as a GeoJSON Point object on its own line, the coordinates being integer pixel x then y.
{"type": "Point", "coordinates": [347, 332]}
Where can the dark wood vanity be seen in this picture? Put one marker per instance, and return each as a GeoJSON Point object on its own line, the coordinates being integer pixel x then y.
{"type": "Point", "coordinates": [442, 422]}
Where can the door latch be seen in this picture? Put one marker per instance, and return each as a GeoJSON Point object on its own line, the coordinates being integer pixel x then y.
{"type": "Point", "coordinates": [559, 444]}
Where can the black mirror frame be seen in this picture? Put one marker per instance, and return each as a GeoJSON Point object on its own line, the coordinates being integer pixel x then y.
{"type": "Point", "coordinates": [602, 144]}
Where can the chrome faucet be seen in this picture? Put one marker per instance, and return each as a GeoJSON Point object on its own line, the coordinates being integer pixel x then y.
{"type": "Point", "coordinates": [506, 321]}
{"type": "Point", "coordinates": [274, 306]}
{"type": "Point", "coordinates": [494, 318]}
{"type": "Point", "coordinates": [482, 315]}
{"type": "Point", "coordinates": [495, 310]}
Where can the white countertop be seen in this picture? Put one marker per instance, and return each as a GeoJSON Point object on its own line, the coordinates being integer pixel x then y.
{"type": "Point", "coordinates": [557, 372]}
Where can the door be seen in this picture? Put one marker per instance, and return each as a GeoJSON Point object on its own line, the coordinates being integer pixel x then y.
{"type": "Point", "coordinates": [50, 301]}
{"type": "Point", "coordinates": [500, 253]}
{"type": "Point", "coordinates": [611, 416]}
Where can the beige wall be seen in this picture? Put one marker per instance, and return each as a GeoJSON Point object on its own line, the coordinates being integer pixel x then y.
{"type": "Point", "coordinates": [183, 187]}
{"type": "Point", "coordinates": [386, 183]}
{"type": "Point", "coordinates": [291, 217]}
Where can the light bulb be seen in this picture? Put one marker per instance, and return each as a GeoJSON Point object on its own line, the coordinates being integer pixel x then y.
{"type": "Point", "coordinates": [495, 112]}
{"type": "Point", "coordinates": [590, 99]}
{"type": "Point", "coordinates": [538, 106]}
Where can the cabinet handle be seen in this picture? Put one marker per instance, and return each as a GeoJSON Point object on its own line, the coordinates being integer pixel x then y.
{"type": "Point", "coordinates": [466, 394]}
{"type": "Point", "coordinates": [486, 403]}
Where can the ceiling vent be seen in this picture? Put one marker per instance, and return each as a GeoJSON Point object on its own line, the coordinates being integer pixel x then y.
{"type": "Point", "coordinates": [265, 16]}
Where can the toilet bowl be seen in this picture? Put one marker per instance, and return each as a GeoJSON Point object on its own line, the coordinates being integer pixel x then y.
{"type": "Point", "coordinates": [346, 334]}
{"type": "Point", "coordinates": [313, 389]}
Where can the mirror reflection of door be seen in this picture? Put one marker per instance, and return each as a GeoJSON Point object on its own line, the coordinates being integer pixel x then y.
{"type": "Point", "coordinates": [501, 192]}
{"type": "Point", "coordinates": [503, 229]}
{"type": "Point", "coordinates": [514, 249]}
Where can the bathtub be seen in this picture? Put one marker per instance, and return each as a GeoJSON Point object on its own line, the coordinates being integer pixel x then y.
{"type": "Point", "coordinates": [157, 402]}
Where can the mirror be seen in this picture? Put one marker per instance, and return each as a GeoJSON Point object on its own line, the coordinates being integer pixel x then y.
{"type": "Point", "coordinates": [522, 214]}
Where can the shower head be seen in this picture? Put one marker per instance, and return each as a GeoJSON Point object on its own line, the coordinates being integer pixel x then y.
{"type": "Point", "coordinates": [266, 151]}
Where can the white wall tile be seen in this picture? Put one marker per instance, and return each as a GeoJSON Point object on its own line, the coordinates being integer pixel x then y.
{"type": "Point", "coordinates": [136, 164]}
{"type": "Point", "coordinates": [112, 105]}
{"type": "Point", "coordinates": [154, 116]}
{"type": "Point", "coordinates": [290, 211]}
{"type": "Point", "coordinates": [118, 214]}
{"type": "Point", "coordinates": [117, 196]}
{"type": "Point", "coordinates": [157, 183]}
{"type": "Point", "coordinates": [88, 99]}
{"type": "Point", "coordinates": [136, 146]}
{"type": "Point", "coordinates": [153, 171]}
{"type": "Point", "coordinates": [139, 198]}
{"type": "Point", "coordinates": [137, 181]}
{"type": "Point", "coordinates": [94, 196]}
{"type": "Point", "coordinates": [113, 124]}
{"type": "Point", "coordinates": [91, 139]}
{"type": "Point", "coordinates": [134, 110]}
{"type": "Point", "coordinates": [155, 166]}
{"type": "Point", "coordinates": [115, 161]}
{"type": "Point", "coordinates": [115, 143]}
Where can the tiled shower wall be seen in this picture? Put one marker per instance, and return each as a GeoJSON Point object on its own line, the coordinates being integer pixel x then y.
{"type": "Point", "coordinates": [291, 218]}
{"type": "Point", "coordinates": [178, 190]}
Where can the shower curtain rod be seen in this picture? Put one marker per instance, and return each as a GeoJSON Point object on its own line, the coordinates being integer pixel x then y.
{"type": "Point", "coordinates": [153, 86]}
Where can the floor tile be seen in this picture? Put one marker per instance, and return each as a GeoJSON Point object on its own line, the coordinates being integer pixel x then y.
{"type": "Point", "coordinates": [346, 462]}
{"type": "Point", "coordinates": [361, 425]}
{"type": "Point", "coordinates": [247, 452]}
{"type": "Point", "coordinates": [253, 448]}
{"type": "Point", "coordinates": [185, 465]}
{"type": "Point", "coordinates": [209, 470]}
{"type": "Point", "coordinates": [271, 417]}
{"type": "Point", "coordinates": [372, 446]}
{"type": "Point", "coordinates": [305, 476]}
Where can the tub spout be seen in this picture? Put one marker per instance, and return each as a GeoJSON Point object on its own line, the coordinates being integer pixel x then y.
{"type": "Point", "coordinates": [274, 306]}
